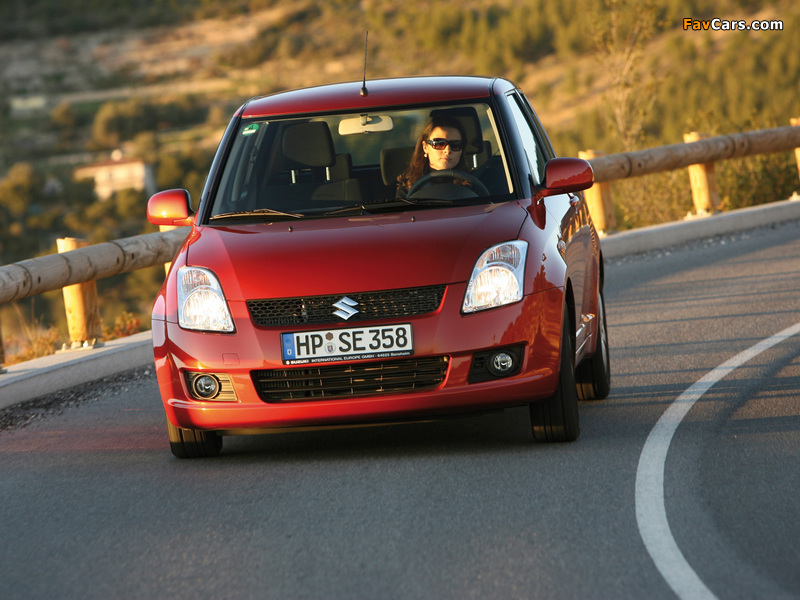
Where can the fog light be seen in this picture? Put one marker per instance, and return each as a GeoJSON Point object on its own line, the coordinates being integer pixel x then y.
{"type": "Point", "coordinates": [496, 363]}
{"type": "Point", "coordinates": [501, 364]}
{"type": "Point", "coordinates": [205, 386]}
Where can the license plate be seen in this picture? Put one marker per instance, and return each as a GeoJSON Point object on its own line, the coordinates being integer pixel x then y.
{"type": "Point", "coordinates": [332, 345]}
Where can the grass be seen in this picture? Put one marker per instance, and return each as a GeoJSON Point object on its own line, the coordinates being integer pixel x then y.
{"type": "Point", "coordinates": [34, 340]}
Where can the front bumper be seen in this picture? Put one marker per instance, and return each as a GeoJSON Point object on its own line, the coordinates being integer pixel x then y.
{"type": "Point", "coordinates": [533, 324]}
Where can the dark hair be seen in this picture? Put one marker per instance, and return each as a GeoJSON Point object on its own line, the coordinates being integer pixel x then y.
{"type": "Point", "coordinates": [419, 164]}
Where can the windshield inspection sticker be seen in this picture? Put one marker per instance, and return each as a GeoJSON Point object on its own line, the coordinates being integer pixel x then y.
{"type": "Point", "coordinates": [250, 129]}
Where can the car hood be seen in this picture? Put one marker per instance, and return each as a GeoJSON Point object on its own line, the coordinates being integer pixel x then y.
{"type": "Point", "coordinates": [355, 254]}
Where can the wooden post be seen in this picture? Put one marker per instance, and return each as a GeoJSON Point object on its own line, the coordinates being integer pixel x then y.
{"type": "Point", "coordinates": [795, 122]}
{"type": "Point", "coordinates": [163, 228]}
{"type": "Point", "coordinates": [2, 350]}
{"type": "Point", "coordinates": [598, 198]}
{"type": "Point", "coordinates": [704, 182]}
{"type": "Point", "coordinates": [80, 301]}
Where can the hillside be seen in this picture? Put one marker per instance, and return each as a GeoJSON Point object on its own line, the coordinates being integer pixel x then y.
{"type": "Point", "coordinates": [608, 74]}
{"type": "Point", "coordinates": [283, 46]}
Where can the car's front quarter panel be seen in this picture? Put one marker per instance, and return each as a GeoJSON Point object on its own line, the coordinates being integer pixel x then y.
{"type": "Point", "coordinates": [546, 266]}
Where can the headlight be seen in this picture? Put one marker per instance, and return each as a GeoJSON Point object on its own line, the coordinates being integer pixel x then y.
{"type": "Point", "coordinates": [498, 277]}
{"type": "Point", "coordinates": [201, 303]}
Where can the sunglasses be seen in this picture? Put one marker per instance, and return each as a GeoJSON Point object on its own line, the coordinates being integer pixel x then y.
{"type": "Point", "coordinates": [441, 144]}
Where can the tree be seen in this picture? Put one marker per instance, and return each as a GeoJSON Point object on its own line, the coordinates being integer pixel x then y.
{"type": "Point", "coordinates": [623, 27]}
{"type": "Point", "coordinates": [64, 116]}
{"type": "Point", "coordinates": [18, 189]}
{"type": "Point", "coordinates": [185, 170]}
{"type": "Point", "coordinates": [20, 192]}
{"type": "Point", "coordinates": [145, 146]}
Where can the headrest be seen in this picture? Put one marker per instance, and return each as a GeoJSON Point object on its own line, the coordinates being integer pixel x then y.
{"type": "Point", "coordinates": [393, 162]}
{"type": "Point", "coordinates": [342, 167]}
{"type": "Point", "coordinates": [308, 145]}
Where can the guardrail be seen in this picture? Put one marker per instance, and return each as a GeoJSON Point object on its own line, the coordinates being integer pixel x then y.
{"type": "Point", "coordinates": [699, 156]}
{"type": "Point", "coordinates": [82, 266]}
{"type": "Point", "coordinates": [55, 271]}
{"type": "Point", "coordinates": [75, 267]}
{"type": "Point", "coordinates": [677, 156]}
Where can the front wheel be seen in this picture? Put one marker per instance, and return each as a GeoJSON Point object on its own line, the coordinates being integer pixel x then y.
{"type": "Point", "coordinates": [594, 373]}
{"type": "Point", "coordinates": [193, 443]}
{"type": "Point", "coordinates": [556, 419]}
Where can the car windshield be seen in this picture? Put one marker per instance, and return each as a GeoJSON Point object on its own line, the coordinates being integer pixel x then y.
{"type": "Point", "coordinates": [334, 165]}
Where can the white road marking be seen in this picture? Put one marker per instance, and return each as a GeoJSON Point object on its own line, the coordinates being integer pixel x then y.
{"type": "Point", "coordinates": [651, 514]}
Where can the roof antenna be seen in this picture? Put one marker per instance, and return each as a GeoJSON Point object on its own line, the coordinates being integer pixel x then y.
{"type": "Point", "coordinates": [364, 90]}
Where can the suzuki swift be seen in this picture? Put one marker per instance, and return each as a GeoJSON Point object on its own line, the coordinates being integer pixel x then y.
{"type": "Point", "coordinates": [403, 249]}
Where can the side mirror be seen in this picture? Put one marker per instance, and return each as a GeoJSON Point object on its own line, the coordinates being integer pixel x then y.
{"type": "Point", "coordinates": [565, 175]}
{"type": "Point", "coordinates": [171, 207]}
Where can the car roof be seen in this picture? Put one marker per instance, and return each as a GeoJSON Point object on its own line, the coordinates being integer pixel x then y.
{"type": "Point", "coordinates": [380, 93]}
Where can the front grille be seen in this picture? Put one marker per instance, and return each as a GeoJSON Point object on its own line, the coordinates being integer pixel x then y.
{"type": "Point", "coordinates": [349, 380]}
{"type": "Point", "coordinates": [318, 310]}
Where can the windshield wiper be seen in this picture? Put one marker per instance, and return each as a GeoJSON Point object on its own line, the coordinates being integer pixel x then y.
{"type": "Point", "coordinates": [388, 204]}
{"type": "Point", "coordinates": [363, 207]}
{"type": "Point", "coordinates": [431, 201]}
{"type": "Point", "coordinates": [258, 212]}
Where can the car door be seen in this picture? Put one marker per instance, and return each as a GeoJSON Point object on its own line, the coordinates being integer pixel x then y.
{"type": "Point", "coordinates": [570, 210]}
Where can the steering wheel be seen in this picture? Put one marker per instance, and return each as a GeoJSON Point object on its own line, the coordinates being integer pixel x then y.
{"type": "Point", "coordinates": [448, 174]}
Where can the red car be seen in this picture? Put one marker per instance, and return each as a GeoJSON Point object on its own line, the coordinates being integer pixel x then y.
{"type": "Point", "coordinates": [404, 249]}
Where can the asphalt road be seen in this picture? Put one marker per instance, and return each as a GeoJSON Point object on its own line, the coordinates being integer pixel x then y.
{"type": "Point", "coordinates": [93, 505]}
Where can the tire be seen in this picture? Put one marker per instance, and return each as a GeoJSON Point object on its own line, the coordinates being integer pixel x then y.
{"type": "Point", "coordinates": [556, 418]}
{"type": "Point", "coordinates": [594, 373]}
{"type": "Point", "coordinates": [193, 443]}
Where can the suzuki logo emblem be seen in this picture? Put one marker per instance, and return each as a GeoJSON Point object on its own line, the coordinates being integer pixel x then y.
{"type": "Point", "coordinates": [346, 308]}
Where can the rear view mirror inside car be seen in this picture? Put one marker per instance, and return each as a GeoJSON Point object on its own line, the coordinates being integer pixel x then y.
{"type": "Point", "coordinates": [365, 124]}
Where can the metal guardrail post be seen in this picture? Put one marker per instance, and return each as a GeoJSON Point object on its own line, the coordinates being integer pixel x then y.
{"type": "Point", "coordinates": [599, 200]}
{"type": "Point", "coordinates": [80, 302]}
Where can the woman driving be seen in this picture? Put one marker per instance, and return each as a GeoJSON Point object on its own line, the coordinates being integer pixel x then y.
{"type": "Point", "coordinates": [440, 146]}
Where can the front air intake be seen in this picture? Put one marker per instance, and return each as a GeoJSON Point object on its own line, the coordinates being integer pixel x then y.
{"type": "Point", "coordinates": [350, 380]}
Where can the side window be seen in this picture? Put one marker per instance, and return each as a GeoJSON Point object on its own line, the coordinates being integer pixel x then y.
{"type": "Point", "coordinates": [544, 142]}
{"type": "Point", "coordinates": [533, 149]}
